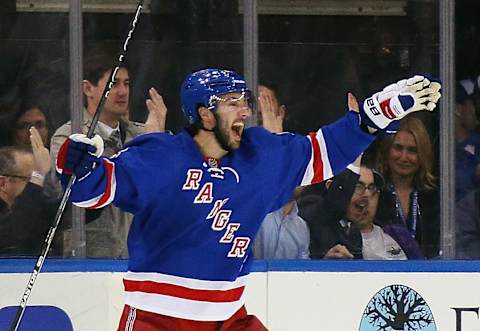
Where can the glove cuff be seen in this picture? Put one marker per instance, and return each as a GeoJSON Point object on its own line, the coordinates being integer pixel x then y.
{"type": "Point", "coordinates": [373, 115]}
{"type": "Point", "coordinates": [381, 114]}
{"type": "Point", "coordinates": [96, 141]}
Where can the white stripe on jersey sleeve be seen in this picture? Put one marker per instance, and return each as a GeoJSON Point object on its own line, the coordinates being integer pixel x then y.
{"type": "Point", "coordinates": [327, 169]}
{"type": "Point", "coordinates": [311, 172]}
{"type": "Point", "coordinates": [109, 194]}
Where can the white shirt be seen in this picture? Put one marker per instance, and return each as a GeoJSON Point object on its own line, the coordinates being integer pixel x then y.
{"type": "Point", "coordinates": [107, 130]}
{"type": "Point", "coordinates": [377, 245]}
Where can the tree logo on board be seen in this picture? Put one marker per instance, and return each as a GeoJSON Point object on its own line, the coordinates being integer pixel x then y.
{"type": "Point", "coordinates": [397, 307]}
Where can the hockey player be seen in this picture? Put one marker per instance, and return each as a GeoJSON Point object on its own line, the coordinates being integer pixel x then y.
{"type": "Point", "coordinates": [199, 196]}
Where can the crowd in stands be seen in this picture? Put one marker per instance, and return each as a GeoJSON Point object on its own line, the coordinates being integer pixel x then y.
{"type": "Point", "coordinates": [384, 206]}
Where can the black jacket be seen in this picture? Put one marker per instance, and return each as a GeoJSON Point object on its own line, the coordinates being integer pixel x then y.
{"type": "Point", "coordinates": [323, 209]}
{"type": "Point", "coordinates": [427, 231]}
{"type": "Point", "coordinates": [23, 228]}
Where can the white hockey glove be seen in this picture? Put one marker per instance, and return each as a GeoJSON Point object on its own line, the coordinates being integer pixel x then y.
{"type": "Point", "coordinates": [398, 100]}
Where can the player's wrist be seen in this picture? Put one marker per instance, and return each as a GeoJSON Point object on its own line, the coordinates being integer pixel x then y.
{"type": "Point", "coordinates": [374, 115]}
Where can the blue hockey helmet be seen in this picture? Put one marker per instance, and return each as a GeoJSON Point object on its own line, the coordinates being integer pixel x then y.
{"type": "Point", "coordinates": [203, 88]}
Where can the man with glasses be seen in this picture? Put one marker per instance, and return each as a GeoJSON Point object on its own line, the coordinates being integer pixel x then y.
{"type": "Point", "coordinates": [25, 213]}
{"type": "Point", "coordinates": [30, 114]}
{"type": "Point", "coordinates": [376, 244]}
{"type": "Point", "coordinates": [323, 207]}
{"type": "Point", "coordinates": [347, 229]}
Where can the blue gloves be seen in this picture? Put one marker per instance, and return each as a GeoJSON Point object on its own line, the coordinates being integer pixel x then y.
{"type": "Point", "coordinates": [78, 155]}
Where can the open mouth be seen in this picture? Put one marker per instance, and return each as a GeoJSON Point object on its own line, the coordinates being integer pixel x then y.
{"type": "Point", "coordinates": [237, 129]}
{"type": "Point", "coordinates": [404, 165]}
{"type": "Point", "coordinates": [361, 205]}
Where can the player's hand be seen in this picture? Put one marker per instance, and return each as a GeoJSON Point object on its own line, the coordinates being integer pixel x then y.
{"type": "Point", "coordinates": [352, 103]}
{"type": "Point", "coordinates": [398, 100]}
{"type": "Point", "coordinates": [78, 155]}
{"type": "Point", "coordinates": [272, 112]}
{"type": "Point", "coordinates": [157, 112]}
{"type": "Point", "coordinates": [338, 252]}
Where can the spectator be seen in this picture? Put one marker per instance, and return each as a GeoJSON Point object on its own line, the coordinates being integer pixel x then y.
{"type": "Point", "coordinates": [471, 86]}
{"type": "Point", "coordinates": [272, 112]}
{"type": "Point", "coordinates": [467, 216]}
{"type": "Point", "coordinates": [410, 197]}
{"type": "Point", "coordinates": [376, 244]}
{"type": "Point", "coordinates": [30, 114]}
{"type": "Point", "coordinates": [467, 144]}
{"type": "Point", "coordinates": [283, 233]}
{"type": "Point", "coordinates": [323, 207]}
{"type": "Point", "coordinates": [350, 231]}
{"type": "Point", "coordinates": [106, 236]}
{"type": "Point", "coordinates": [25, 213]}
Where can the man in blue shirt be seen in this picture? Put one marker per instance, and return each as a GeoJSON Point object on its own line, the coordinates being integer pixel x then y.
{"type": "Point", "coordinates": [467, 147]}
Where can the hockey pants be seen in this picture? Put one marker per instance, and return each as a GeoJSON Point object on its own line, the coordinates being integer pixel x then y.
{"type": "Point", "coordinates": [139, 320]}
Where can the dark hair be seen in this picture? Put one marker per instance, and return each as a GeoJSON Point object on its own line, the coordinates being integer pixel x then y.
{"type": "Point", "coordinates": [461, 95]}
{"type": "Point", "coordinates": [96, 65]}
{"type": "Point", "coordinates": [11, 112]}
{"type": "Point", "coordinates": [377, 176]}
{"type": "Point", "coordinates": [7, 158]}
{"type": "Point", "coordinates": [26, 105]}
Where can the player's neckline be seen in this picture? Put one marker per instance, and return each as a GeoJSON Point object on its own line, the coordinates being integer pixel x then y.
{"type": "Point", "coordinates": [212, 162]}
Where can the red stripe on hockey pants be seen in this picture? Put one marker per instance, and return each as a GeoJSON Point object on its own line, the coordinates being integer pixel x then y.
{"type": "Point", "coordinates": [138, 320]}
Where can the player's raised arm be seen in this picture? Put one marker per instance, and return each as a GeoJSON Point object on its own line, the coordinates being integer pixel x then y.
{"type": "Point", "coordinates": [336, 145]}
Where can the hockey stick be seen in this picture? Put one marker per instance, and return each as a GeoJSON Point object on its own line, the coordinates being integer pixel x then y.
{"type": "Point", "coordinates": [51, 233]}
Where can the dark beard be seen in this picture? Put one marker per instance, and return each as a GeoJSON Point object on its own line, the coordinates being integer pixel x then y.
{"type": "Point", "coordinates": [220, 136]}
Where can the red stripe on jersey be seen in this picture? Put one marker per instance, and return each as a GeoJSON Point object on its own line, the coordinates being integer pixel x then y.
{"type": "Point", "coordinates": [62, 158]}
{"type": "Point", "coordinates": [317, 159]}
{"type": "Point", "coordinates": [183, 292]}
{"type": "Point", "coordinates": [387, 111]}
{"type": "Point", "coordinates": [108, 191]}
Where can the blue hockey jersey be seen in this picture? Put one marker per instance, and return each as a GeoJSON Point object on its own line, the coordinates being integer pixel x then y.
{"type": "Point", "coordinates": [196, 218]}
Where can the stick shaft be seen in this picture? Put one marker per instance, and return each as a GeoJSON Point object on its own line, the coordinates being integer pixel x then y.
{"type": "Point", "coordinates": [61, 208]}
{"type": "Point", "coordinates": [113, 74]}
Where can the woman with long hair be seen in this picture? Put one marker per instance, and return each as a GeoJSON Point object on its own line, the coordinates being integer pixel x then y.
{"type": "Point", "coordinates": [411, 197]}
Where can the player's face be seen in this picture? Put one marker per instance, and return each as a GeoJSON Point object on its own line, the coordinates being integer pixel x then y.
{"type": "Point", "coordinates": [117, 101]}
{"type": "Point", "coordinates": [363, 204]}
{"type": "Point", "coordinates": [231, 114]}
{"type": "Point", "coordinates": [403, 155]}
